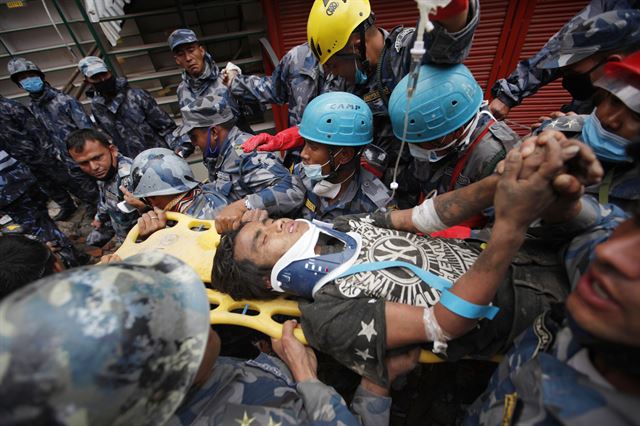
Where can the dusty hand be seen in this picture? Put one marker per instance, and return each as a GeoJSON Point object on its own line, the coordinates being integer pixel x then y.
{"type": "Point", "coordinates": [131, 200]}
{"type": "Point", "coordinates": [228, 77]}
{"type": "Point", "coordinates": [230, 217]}
{"type": "Point", "coordinates": [300, 359]}
{"type": "Point", "coordinates": [520, 199]}
{"type": "Point", "coordinates": [397, 365]}
{"type": "Point", "coordinates": [151, 221]}
{"type": "Point", "coordinates": [499, 109]}
{"type": "Point", "coordinates": [97, 224]}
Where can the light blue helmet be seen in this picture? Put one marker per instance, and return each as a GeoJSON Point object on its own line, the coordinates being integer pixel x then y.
{"type": "Point", "coordinates": [116, 344]}
{"type": "Point", "coordinates": [445, 99]}
{"type": "Point", "coordinates": [337, 118]}
{"type": "Point", "coordinates": [160, 171]}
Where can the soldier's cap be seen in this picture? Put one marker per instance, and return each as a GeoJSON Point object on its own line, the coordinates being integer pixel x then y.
{"type": "Point", "coordinates": [204, 112]}
{"type": "Point", "coordinates": [181, 36]}
{"type": "Point", "coordinates": [613, 30]}
{"type": "Point", "coordinates": [622, 79]}
{"type": "Point", "coordinates": [16, 66]}
{"type": "Point", "coordinates": [107, 344]}
{"type": "Point", "coordinates": [92, 65]}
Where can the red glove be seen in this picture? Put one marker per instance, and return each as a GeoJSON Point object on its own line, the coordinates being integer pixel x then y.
{"type": "Point", "coordinates": [450, 10]}
{"type": "Point", "coordinates": [283, 141]}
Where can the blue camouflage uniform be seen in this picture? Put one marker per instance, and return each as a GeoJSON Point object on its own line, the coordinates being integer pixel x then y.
{"type": "Point", "coordinates": [262, 392]}
{"type": "Point", "coordinates": [133, 119]}
{"type": "Point", "coordinates": [295, 81]}
{"type": "Point", "coordinates": [394, 63]}
{"type": "Point", "coordinates": [259, 177]}
{"type": "Point", "coordinates": [111, 195]}
{"type": "Point", "coordinates": [21, 198]}
{"type": "Point", "coordinates": [24, 138]}
{"type": "Point", "coordinates": [365, 194]}
{"type": "Point", "coordinates": [537, 382]}
{"type": "Point", "coordinates": [202, 202]}
{"type": "Point", "coordinates": [528, 77]}
{"type": "Point", "coordinates": [621, 184]}
{"type": "Point", "coordinates": [60, 114]}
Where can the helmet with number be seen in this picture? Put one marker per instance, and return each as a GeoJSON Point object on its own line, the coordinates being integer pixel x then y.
{"type": "Point", "coordinates": [20, 65]}
{"type": "Point", "coordinates": [160, 171]}
{"type": "Point", "coordinates": [116, 344]}
{"type": "Point", "coordinates": [444, 100]}
{"type": "Point", "coordinates": [331, 23]}
{"type": "Point", "coordinates": [337, 118]}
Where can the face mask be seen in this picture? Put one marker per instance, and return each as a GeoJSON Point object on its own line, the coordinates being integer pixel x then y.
{"type": "Point", "coordinates": [327, 189]}
{"type": "Point", "coordinates": [579, 85]}
{"type": "Point", "coordinates": [208, 152]}
{"type": "Point", "coordinates": [32, 84]}
{"type": "Point", "coordinates": [435, 155]}
{"type": "Point", "coordinates": [606, 145]}
{"type": "Point", "coordinates": [107, 87]}
{"type": "Point", "coordinates": [314, 171]}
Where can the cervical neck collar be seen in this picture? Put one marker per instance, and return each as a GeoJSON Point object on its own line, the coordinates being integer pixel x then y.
{"type": "Point", "coordinates": [300, 271]}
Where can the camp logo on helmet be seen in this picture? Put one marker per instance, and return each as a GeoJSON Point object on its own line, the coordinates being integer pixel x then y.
{"type": "Point", "coordinates": [331, 8]}
{"type": "Point", "coordinates": [344, 106]}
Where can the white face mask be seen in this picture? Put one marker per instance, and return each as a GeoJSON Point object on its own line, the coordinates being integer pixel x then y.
{"type": "Point", "coordinates": [327, 189]}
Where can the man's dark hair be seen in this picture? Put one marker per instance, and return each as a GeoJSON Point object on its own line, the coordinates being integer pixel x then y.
{"type": "Point", "coordinates": [240, 279]}
{"type": "Point", "coordinates": [228, 125]}
{"type": "Point", "coordinates": [78, 138]}
{"type": "Point", "coordinates": [22, 260]}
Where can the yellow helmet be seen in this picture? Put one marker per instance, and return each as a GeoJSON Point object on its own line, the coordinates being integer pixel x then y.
{"type": "Point", "coordinates": [331, 23]}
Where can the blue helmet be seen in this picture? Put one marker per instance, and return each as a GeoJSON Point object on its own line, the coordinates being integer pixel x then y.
{"type": "Point", "coordinates": [103, 345]}
{"type": "Point", "coordinates": [445, 99]}
{"type": "Point", "coordinates": [337, 118]}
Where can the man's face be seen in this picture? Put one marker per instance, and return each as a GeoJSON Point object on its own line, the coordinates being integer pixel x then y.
{"type": "Point", "coordinates": [264, 243]}
{"type": "Point", "coordinates": [198, 137]}
{"type": "Point", "coordinates": [617, 118]}
{"type": "Point", "coordinates": [316, 153]}
{"type": "Point", "coordinates": [606, 301]}
{"type": "Point", "coordinates": [95, 159]}
{"type": "Point", "coordinates": [190, 57]}
{"type": "Point", "coordinates": [27, 74]}
{"type": "Point", "coordinates": [99, 78]}
{"type": "Point", "coordinates": [343, 63]}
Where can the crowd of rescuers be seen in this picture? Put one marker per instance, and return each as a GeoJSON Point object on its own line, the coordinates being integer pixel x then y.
{"type": "Point", "coordinates": [395, 225]}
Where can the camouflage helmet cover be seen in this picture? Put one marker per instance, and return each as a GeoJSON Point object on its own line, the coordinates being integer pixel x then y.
{"type": "Point", "coordinates": [20, 65]}
{"type": "Point", "coordinates": [181, 36]}
{"type": "Point", "coordinates": [160, 171]}
{"type": "Point", "coordinates": [115, 344]}
{"type": "Point", "coordinates": [204, 112]}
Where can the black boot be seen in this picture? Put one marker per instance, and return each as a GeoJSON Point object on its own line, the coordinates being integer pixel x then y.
{"type": "Point", "coordinates": [65, 212]}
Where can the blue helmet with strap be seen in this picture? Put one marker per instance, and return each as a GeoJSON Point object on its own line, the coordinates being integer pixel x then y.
{"type": "Point", "coordinates": [445, 99]}
{"type": "Point", "coordinates": [337, 118]}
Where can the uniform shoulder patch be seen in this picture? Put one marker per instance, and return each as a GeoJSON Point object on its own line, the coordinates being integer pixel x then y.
{"type": "Point", "coordinates": [567, 124]}
{"type": "Point", "coordinates": [400, 39]}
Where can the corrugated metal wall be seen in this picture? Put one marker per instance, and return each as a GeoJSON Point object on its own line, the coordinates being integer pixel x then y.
{"type": "Point", "coordinates": [508, 32]}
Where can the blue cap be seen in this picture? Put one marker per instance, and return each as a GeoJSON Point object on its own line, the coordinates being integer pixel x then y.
{"type": "Point", "coordinates": [92, 65]}
{"type": "Point", "coordinates": [181, 36]}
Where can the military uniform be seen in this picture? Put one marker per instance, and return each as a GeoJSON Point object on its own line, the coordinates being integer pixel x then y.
{"type": "Point", "coordinates": [262, 392]}
{"type": "Point", "coordinates": [528, 77]}
{"type": "Point", "coordinates": [394, 63]}
{"type": "Point", "coordinates": [110, 196]}
{"type": "Point", "coordinates": [365, 194]}
{"type": "Point", "coordinates": [296, 80]}
{"type": "Point", "coordinates": [621, 184]}
{"type": "Point", "coordinates": [133, 119]}
{"type": "Point", "coordinates": [489, 143]}
{"type": "Point", "coordinates": [21, 199]}
{"type": "Point", "coordinates": [24, 138]}
{"type": "Point", "coordinates": [60, 114]}
{"type": "Point", "coordinates": [202, 202]}
{"type": "Point", "coordinates": [543, 379]}
{"type": "Point", "coordinates": [258, 176]}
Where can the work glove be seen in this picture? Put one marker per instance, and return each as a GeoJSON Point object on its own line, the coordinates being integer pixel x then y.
{"type": "Point", "coordinates": [452, 9]}
{"type": "Point", "coordinates": [283, 141]}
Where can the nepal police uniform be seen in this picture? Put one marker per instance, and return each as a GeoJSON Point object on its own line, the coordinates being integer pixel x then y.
{"type": "Point", "coordinates": [202, 202]}
{"type": "Point", "coordinates": [258, 176]}
{"type": "Point", "coordinates": [489, 143]}
{"type": "Point", "coordinates": [21, 199]}
{"type": "Point", "coordinates": [262, 392]}
{"type": "Point", "coordinates": [25, 140]}
{"type": "Point", "coordinates": [133, 119]}
{"type": "Point", "coordinates": [60, 114]}
{"type": "Point", "coordinates": [621, 182]}
{"type": "Point", "coordinates": [110, 196]}
{"type": "Point", "coordinates": [528, 78]}
{"type": "Point", "coordinates": [365, 194]}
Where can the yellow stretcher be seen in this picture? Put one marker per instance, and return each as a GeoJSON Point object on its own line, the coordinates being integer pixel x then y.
{"type": "Point", "coordinates": [194, 241]}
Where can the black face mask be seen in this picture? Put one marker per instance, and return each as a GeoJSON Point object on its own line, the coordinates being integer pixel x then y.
{"type": "Point", "coordinates": [579, 85]}
{"type": "Point", "coordinates": [106, 88]}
